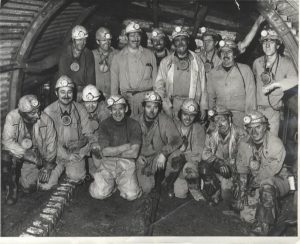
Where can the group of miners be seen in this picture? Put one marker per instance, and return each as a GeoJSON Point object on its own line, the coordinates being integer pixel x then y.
{"type": "Point", "coordinates": [208, 123]}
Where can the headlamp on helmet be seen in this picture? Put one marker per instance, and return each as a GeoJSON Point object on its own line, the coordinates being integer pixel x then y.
{"type": "Point", "coordinates": [152, 96]}
{"type": "Point", "coordinates": [132, 27]}
{"type": "Point", "coordinates": [211, 113]}
{"type": "Point", "coordinates": [190, 106]}
{"type": "Point", "coordinates": [115, 99]}
{"type": "Point", "coordinates": [79, 32]}
{"type": "Point", "coordinates": [254, 117]}
{"type": "Point", "coordinates": [28, 103]}
{"type": "Point", "coordinates": [202, 30]}
{"type": "Point", "coordinates": [64, 81]}
{"type": "Point", "coordinates": [90, 93]}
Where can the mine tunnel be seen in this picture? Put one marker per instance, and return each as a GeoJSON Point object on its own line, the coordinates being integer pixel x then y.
{"type": "Point", "coordinates": [33, 35]}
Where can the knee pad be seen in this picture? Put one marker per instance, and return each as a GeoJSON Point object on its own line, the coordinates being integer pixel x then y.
{"type": "Point", "coordinates": [267, 195]}
{"type": "Point", "coordinates": [181, 188]}
{"type": "Point", "coordinates": [98, 193]}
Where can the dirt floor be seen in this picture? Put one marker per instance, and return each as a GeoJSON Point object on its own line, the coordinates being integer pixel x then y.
{"type": "Point", "coordinates": [117, 217]}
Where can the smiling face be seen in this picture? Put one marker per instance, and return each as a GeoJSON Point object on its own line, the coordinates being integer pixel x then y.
{"type": "Point", "coordinates": [65, 95]}
{"type": "Point", "coordinates": [186, 118]}
{"type": "Point", "coordinates": [159, 43]}
{"type": "Point", "coordinates": [134, 40]}
{"type": "Point", "coordinates": [257, 132]}
{"type": "Point", "coordinates": [227, 57]}
{"type": "Point", "coordinates": [104, 44]}
{"type": "Point", "coordinates": [181, 44]}
{"type": "Point", "coordinates": [118, 112]}
{"type": "Point", "coordinates": [270, 47]}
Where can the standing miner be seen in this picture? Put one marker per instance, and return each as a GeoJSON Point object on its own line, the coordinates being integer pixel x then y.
{"type": "Point", "coordinates": [77, 62]}
{"type": "Point", "coordinates": [120, 140]}
{"type": "Point", "coordinates": [160, 140]}
{"type": "Point", "coordinates": [181, 75]}
{"type": "Point", "coordinates": [268, 69]}
{"type": "Point", "coordinates": [103, 55]}
{"type": "Point", "coordinates": [159, 42]}
{"type": "Point", "coordinates": [231, 84]}
{"type": "Point", "coordinates": [209, 55]}
{"type": "Point", "coordinates": [73, 130]}
{"type": "Point", "coordinates": [133, 70]}
{"type": "Point", "coordinates": [261, 157]}
{"type": "Point", "coordinates": [29, 137]}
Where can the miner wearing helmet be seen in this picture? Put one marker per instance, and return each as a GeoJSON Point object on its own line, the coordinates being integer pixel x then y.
{"type": "Point", "coordinates": [73, 131]}
{"type": "Point", "coordinates": [231, 84]}
{"type": "Point", "coordinates": [120, 139]}
{"type": "Point", "coordinates": [95, 105]}
{"type": "Point", "coordinates": [28, 137]}
{"type": "Point", "coordinates": [133, 70]}
{"type": "Point", "coordinates": [181, 75]}
{"type": "Point", "coordinates": [220, 150]}
{"type": "Point", "coordinates": [103, 55]}
{"type": "Point", "coordinates": [159, 42]}
{"type": "Point", "coordinates": [209, 55]}
{"type": "Point", "coordinates": [160, 139]}
{"type": "Point", "coordinates": [182, 171]}
{"type": "Point", "coordinates": [268, 69]}
{"type": "Point", "coordinates": [77, 62]}
{"type": "Point", "coordinates": [261, 157]}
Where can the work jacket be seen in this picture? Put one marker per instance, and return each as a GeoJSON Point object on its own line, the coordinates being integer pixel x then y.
{"type": "Point", "coordinates": [44, 136]}
{"type": "Point", "coordinates": [197, 83]}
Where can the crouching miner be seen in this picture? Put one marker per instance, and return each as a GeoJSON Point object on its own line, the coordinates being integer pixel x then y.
{"type": "Point", "coordinates": [185, 178]}
{"type": "Point", "coordinates": [160, 139]}
{"type": "Point", "coordinates": [29, 137]}
{"type": "Point", "coordinates": [120, 140]}
{"type": "Point", "coordinates": [260, 159]}
{"type": "Point", "coordinates": [74, 134]}
{"type": "Point", "coordinates": [220, 152]}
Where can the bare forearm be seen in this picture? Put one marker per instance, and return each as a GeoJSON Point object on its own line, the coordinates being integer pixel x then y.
{"type": "Point", "coordinates": [115, 151]}
{"type": "Point", "coordinates": [132, 153]}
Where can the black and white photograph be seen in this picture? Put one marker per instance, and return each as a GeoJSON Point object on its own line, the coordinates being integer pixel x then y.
{"type": "Point", "coordinates": [149, 121]}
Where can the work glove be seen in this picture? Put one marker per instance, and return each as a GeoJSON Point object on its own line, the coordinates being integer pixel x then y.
{"type": "Point", "coordinates": [222, 168]}
{"type": "Point", "coordinates": [144, 164]}
{"type": "Point", "coordinates": [32, 156]}
{"type": "Point", "coordinates": [96, 150]}
{"type": "Point", "coordinates": [178, 162]}
{"type": "Point", "coordinates": [75, 157]}
{"type": "Point", "coordinates": [44, 175]}
{"type": "Point", "coordinates": [242, 200]}
{"type": "Point", "coordinates": [211, 185]}
{"type": "Point", "coordinates": [45, 172]}
{"type": "Point", "coordinates": [160, 161]}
